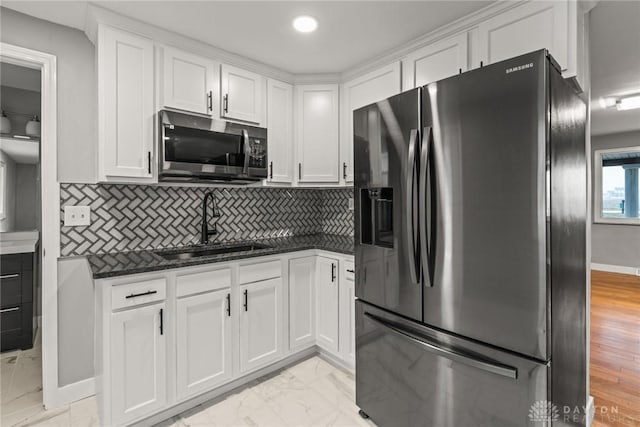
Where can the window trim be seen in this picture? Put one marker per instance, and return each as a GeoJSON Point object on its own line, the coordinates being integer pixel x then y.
{"type": "Point", "coordinates": [597, 186]}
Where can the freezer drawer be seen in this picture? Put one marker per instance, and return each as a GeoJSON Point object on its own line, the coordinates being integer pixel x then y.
{"type": "Point", "coordinates": [411, 375]}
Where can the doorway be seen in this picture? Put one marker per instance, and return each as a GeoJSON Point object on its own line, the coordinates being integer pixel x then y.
{"type": "Point", "coordinates": [614, 368]}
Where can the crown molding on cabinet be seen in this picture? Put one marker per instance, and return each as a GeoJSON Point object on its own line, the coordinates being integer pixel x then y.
{"type": "Point", "coordinates": [98, 15]}
{"type": "Point", "coordinates": [464, 24]}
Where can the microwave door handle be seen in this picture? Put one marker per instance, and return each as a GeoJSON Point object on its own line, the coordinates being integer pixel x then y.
{"type": "Point", "coordinates": [247, 151]}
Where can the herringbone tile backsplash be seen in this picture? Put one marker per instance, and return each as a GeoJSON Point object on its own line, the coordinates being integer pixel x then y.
{"type": "Point", "coordinates": [133, 217]}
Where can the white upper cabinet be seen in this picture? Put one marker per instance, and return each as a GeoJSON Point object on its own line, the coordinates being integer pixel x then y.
{"type": "Point", "coordinates": [436, 61]}
{"type": "Point", "coordinates": [189, 82]}
{"type": "Point", "coordinates": [301, 302]}
{"type": "Point", "coordinates": [204, 342]}
{"type": "Point", "coordinates": [242, 95]}
{"type": "Point", "coordinates": [317, 133]}
{"type": "Point", "coordinates": [531, 26]}
{"type": "Point", "coordinates": [364, 90]}
{"type": "Point", "coordinates": [280, 131]}
{"type": "Point", "coordinates": [125, 106]}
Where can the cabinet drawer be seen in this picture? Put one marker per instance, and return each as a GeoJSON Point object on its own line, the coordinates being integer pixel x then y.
{"type": "Point", "coordinates": [132, 294]}
{"type": "Point", "coordinates": [15, 263]}
{"type": "Point", "coordinates": [194, 283]}
{"type": "Point", "coordinates": [349, 270]}
{"type": "Point", "coordinates": [10, 289]}
{"type": "Point", "coordinates": [11, 318]}
{"type": "Point", "coordinates": [260, 271]}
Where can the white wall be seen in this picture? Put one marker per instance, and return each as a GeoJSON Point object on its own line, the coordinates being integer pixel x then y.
{"type": "Point", "coordinates": [77, 119]}
{"type": "Point", "coordinates": [615, 244]}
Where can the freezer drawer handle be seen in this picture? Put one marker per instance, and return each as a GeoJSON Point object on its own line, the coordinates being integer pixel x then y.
{"type": "Point", "coordinates": [493, 367]}
{"type": "Point", "coordinates": [9, 276]}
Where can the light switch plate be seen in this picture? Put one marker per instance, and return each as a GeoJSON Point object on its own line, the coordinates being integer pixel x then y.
{"type": "Point", "coordinates": [77, 216]}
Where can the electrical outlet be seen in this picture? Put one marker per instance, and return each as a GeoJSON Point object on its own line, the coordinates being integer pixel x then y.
{"type": "Point", "coordinates": [75, 216]}
{"type": "Point", "coordinates": [350, 203]}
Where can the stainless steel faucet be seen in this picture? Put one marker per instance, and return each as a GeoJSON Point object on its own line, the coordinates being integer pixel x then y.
{"type": "Point", "coordinates": [205, 233]}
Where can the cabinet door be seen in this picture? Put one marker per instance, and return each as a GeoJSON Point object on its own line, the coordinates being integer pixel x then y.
{"type": "Point", "coordinates": [435, 62]}
{"type": "Point", "coordinates": [302, 302]}
{"type": "Point", "coordinates": [204, 353]}
{"type": "Point", "coordinates": [356, 93]}
{"type": "Point", "coordinates": [261, 324]}
{"type": "Point", "coordinates": [347, 313]}
{"type": "Point", "coordinates": [327, 303]}
{"type": "Point", "coordinates": [318, 145]}
{"type": "Point", "coordinates": [138, 360]}
{"type": "Point", "coordinates": [189, 82]}
{"type": "Point", "coordinates": [280, 128]}
{"type": "Point", "coordinates": [241, 94]}
{"type": "Point", "coordinates": [523, 29]}
{"type": "Point", "coordinates": [126, 105]}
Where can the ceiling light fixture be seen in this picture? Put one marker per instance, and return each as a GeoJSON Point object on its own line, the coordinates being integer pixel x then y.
{"type": "Point", "coordinates": [305, 24]}
{"type": "Point", "coordinates": [628, 103]}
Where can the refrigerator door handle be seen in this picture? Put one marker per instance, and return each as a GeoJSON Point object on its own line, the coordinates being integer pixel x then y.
{"type": "Point", "coordinates": [425, 242]}
{"type": "Point", "coordinates": [456, 356]}
{"type": "Point", "coordinates": [411, 237]}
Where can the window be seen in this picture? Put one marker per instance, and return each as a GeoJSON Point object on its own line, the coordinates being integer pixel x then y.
{"type": "Point", "coordinates": [617, 186]}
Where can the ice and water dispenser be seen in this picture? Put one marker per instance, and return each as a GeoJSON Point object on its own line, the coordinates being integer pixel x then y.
{"type": "Point", "coordinates": [376, 211]}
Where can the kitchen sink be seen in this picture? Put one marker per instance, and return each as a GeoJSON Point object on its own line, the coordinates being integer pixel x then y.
{"type": "Point", "coordinates": [190, 253]}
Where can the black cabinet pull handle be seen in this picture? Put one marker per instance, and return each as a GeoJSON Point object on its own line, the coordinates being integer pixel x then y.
{"type": "Point", "coordinates": [210, 100]}
{"type": "Point", "coordinates": [350, 271]}
{"type": "Point", "coordinates": [161, 321]}
{"type": "Point", "coordinates": [229, 305]}
{"type": "Point", "coordinates": [271, 170]}
{"type": "Point", "coordinates": [225, 103]}
{"type": "Point", "coordinates": [344, 170]}
{"type": "Point", "coordinates": [246, 300]}
{"type": "Point", "coordinates": [149, 161]}
{"type": "Point", "coordinates": [333, 272]}
{"type": "Point", "coordinates": [299, 170]}
{"type": "Point", "coordinates": [141, 294]}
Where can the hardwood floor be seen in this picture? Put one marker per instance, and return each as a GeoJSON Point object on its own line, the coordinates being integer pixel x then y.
{"type": "Point", "coordinates": [615, 349]}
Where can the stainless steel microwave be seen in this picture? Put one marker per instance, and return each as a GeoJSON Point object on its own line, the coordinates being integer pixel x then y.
{"type": "Point", "coordinates": [194, 148]}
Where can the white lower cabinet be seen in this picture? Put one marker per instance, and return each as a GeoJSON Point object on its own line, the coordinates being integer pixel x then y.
{"type": "Point", "coordinates": [327, 303]}
{"type": "Point", "coordinates": [261, 323]}
{"type": "Point", "coordinates": [347, 313]}
{"type": "Point", "coordinates": [138, 362]}
{"type": "Point", "coordinates": [302, 331]}
{"type": "Point", "coordinates": [204, 342]}
{"type": "Point", "coordinates": [198, 328]}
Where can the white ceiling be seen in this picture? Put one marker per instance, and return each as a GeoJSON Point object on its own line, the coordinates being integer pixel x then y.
{"type": "Point", "coordinates": [349, 32]}
{"type": "Point", "coordinates": [615, 63]}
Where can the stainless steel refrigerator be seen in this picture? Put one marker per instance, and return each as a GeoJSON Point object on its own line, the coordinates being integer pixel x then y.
{"type": "Point", "coordinates": [470, 250]}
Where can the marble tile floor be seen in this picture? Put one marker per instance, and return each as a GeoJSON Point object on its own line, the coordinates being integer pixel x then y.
{"type": "Point", "coordinates": [311, 393]}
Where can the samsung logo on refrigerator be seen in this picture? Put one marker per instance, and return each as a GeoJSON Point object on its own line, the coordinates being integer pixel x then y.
{"type": "Point", "coordinates": [519, 68]}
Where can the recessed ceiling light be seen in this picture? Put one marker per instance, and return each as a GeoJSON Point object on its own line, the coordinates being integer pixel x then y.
{"type": "Point", "coordinates": [305, 24]}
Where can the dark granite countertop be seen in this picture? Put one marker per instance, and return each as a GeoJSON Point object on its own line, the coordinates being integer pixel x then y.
{"type": "Point", "coordinates": [122, 263]}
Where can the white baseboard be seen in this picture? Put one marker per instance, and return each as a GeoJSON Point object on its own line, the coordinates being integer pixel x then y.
{"type": "Point", "coordinates": [591, 411]}
{"type": "Point", "coordinates": [615, 268]}
{"type": "Point", "coordinates": [73, 392]}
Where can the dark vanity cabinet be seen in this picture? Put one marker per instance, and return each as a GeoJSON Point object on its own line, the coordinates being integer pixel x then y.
{"type": "Point", "coordinates": [17, 302]}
